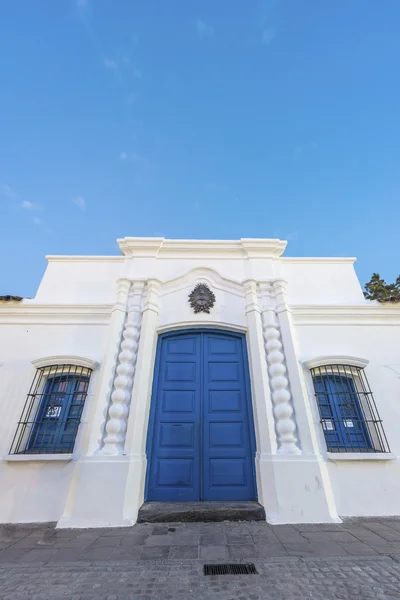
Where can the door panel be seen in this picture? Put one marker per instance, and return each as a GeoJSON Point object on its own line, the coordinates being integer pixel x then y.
{"type": "Point", "coordinates": [175, 458]}
{"type": "Point", "coordinates": [201, 433]}
{"type": "Point", "coordinates": [228, 465]}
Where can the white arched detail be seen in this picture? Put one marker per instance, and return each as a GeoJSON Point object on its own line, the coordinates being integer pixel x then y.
{"type": "Point", "coordinates": [65, 359]}
{"type": "Point", "coordinates": [341, 359]}
{"type": "Point", "coordinates": [184, 325]}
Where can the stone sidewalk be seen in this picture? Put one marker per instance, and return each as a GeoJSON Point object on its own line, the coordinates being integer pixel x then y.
{"type": "Point", "coordinates": [200, 541]}
{"type": "Point", "coordinates": [354, 560]}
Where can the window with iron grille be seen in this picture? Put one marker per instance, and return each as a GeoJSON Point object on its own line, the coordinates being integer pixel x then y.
{"type": "Point", "coordinates": [349, 417]}
{"type": "Point", "coordinates": [52, 412]}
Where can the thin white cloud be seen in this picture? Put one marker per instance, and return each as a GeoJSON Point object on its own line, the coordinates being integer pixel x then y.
{"type": "Point", "coordinates": [137, 73]}
{"type": "Point", "coordinates": [80, 202]}
{"type": "Point", "coordinates": [267, 36]}
{"type": "Point", "coordinates": [29, 205]}
{"type": "Point", "coordinates": [82, 4]}
{"type": "Point", "coordinates": [291, 235]}
{"type": "Point", "coordinates": [123, 155]}
{"type": "Point", "coordinates": [204, 29]}
{"type": "Point", "coordinates": [37, 221]}
{"type": "Point", "coordinates": [111, 64]}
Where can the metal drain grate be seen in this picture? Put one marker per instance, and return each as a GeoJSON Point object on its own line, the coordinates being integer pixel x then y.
{"type": "Point", "coordinates": [241, 569]}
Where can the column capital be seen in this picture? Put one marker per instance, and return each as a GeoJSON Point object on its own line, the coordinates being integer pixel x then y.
{"type": "Point", "coordinates": [250, 290]}
{"type": "Point", "coordinates": [153, 292]}
{"type": "Point", "coordinates": [123, 288]}
{"type": "Point", "coordinates": [280, 288]}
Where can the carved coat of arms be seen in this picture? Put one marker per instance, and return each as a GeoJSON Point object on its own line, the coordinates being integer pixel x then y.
{"type": "Point", "coordinates": [202, 298]}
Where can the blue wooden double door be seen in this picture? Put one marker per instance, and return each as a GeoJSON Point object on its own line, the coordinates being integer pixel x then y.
{"type": "Point", "coordinates": [201, 441]}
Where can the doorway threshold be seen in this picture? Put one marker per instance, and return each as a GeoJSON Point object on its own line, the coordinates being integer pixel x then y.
{"type": "Point", "coordinates": [189, 512]}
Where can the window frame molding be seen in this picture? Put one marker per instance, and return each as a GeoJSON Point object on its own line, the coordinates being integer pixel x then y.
{"type": "Point", "coordinates": [336, 359]}
{"type": "Point", "coordinates": [65, 359]}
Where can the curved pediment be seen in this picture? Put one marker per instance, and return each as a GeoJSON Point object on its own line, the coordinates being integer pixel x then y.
{"type": "Point", "coordinates": [202, 275]}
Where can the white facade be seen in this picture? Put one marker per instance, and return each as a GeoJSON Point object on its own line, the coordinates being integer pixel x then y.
{"type": "Point", "coordinates": [105, 313]}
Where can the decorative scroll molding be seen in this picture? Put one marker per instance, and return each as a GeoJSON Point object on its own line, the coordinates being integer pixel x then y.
{"type": "Point", "coordinates": [280, 391]}
{"type": "Point", "coordinates": [118, 412]}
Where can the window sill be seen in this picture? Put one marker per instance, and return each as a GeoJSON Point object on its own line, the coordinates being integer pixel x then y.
{"type": "Point", "coordinates": [37, 457]}
{"type": "Point", "coordinates": [367, 456]}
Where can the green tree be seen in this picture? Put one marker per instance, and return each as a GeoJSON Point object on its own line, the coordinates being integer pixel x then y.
{"type": "Point", "coordinates": [378, 289]}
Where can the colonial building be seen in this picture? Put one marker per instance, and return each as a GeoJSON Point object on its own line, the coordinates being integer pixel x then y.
{"type": "Point", "coordinates": [197, 370]}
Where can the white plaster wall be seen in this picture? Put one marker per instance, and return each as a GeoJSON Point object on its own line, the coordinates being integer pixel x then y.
{"type": "Point", "coordinates": [362, 488]}
{"type": "Point", "coordinates": [36, 491]}
{"type": "Point", "coordinates": [68, 281]}
{"type": "Point", "coordinates": [321, 281]}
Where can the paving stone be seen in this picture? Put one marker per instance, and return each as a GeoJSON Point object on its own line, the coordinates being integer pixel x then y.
{"type": "Point", "coordinates": [211, 553]}
{"type": "Point", "coordinates": [106, 541]}
{"type": "Point", "coordinates": [386, 548]}
{"type": "Point", "coordinates": [366, 535]}
{"type": "Point", "coordinates": [156, 552]}
{"type": "Point", "coordinates": [357, 548]}
{"type": "Point", "coordinates": [390, 536]}
{"type": "Point", "coordinates": [242, 551]}
{"type": "Point", "coordinates": [270, 550]}
{"type": "Point", "coordinates": [96, 553]}
{"type": "Point", "coordinates": [341, 536]}
{"type": "Point", "coordinates": [126, 552]}
{"type": "Point", "coordinates": [173, 540]}
{"type": "Point", "coordinates": [238, 538]}
{"type": "Point", "coordinates": [184, 552]}
{"type": "Point", "coordinates": [376, 525]}
{"type": "Point", "coordinates": [327, 549]}
{"type": "Point", "coordinates": [39, 555]}
{"type": "Point", "coordinates": [299, 549]}
{"type": "Point", "coordinates": [212, 539]}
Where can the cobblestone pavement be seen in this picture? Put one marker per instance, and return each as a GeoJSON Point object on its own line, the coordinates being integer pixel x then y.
{"type": "Point", "coordinates": [357, 560]}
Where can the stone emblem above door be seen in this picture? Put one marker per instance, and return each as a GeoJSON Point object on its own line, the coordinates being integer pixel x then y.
{"type": "Point", "coordinates": [201, 299]}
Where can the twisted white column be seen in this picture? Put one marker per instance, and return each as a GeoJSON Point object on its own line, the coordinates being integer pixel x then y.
{"type": "Point", "coordinates": [123, 383]}
{"type": "Point", "coordinates": [283, 410]}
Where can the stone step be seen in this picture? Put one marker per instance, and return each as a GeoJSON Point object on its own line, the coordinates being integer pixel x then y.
{"type": "Point", "coordinates": [170, 512]}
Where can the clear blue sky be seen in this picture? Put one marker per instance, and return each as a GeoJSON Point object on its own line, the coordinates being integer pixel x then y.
{"type": "Point", "coordinates": [198, 119]}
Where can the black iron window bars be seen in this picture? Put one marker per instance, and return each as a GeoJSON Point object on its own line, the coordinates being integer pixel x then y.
{"type": "Point", "coordinates": [52, 412]}
{"type": "Point", "coordinates": [348, 413]}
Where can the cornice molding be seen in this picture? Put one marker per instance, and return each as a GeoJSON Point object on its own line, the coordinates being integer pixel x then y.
{"type": "Point", "coordinates": [65, 359]}
{"type": "Point", "coordinates": [72, 258]}
{"type": "Point", "coordinates": [353, 314]}
{"type": "Point", "coordinates": [340, 359]}
{"type": "Point", "coordinates": [140, 246]}
{"type": "Point", "coordinates": [319, 259]}
{"type": "Point", "coordinates": [53, 314]}
{"type": "Point", "coordinates": [216, 249]}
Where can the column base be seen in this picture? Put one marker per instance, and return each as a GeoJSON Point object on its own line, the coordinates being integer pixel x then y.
{"type": "Point", "coordinates": [106, 491]}
{"type": "Point", "coordinates": [296, 489]}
